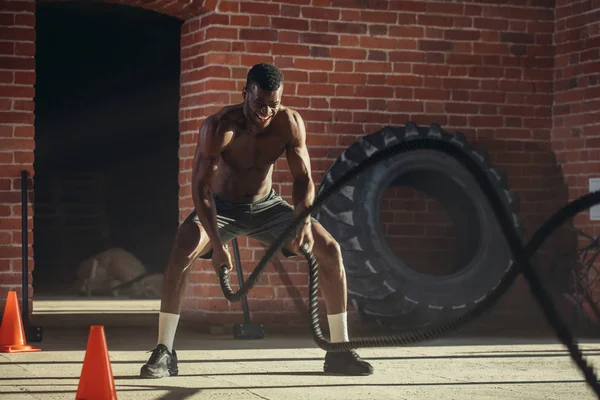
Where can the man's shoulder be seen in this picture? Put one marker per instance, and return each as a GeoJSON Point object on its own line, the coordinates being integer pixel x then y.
{"type": "Point", "coordinates": [290, 118]}
{"type": "Point", "coordinates": [291, 125]}
{"type": "Point", "coordinates": [290, 113]}
{"type": "Point", "coordinates": [225, 118]}
{"type": "Point", "coordinates": [218, 128]}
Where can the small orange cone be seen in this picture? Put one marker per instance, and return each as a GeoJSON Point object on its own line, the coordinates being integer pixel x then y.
{"type": "Point", "coordinates": [12, 334]}
{"type": "Point", "coordinates": [96, 381]}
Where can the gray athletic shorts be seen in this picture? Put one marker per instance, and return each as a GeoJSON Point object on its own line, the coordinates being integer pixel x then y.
{"type": "Point", "coordinates": [264, 220]}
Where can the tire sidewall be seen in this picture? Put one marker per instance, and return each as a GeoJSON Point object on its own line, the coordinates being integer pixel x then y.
{"type": "Point", "coordinates": [472, 281]}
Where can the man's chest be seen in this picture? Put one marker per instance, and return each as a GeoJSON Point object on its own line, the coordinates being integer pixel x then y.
{"type": "Point", "coordinates": [248, 151]}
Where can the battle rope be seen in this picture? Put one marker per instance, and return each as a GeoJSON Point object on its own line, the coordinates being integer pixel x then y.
{"type": "Point", "coordinates": [521, 256]}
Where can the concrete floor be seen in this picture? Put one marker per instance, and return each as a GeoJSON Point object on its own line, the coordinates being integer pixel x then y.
{"type": "Point", "coordinates": [286, 367]}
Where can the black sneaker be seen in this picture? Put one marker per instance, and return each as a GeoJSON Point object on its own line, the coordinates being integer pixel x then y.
{"type": "Point", "coordinates": [346, 363]}
{"type": "Point", "coordinates": [161, 363]}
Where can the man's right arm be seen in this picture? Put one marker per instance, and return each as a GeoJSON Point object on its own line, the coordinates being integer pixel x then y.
{"type": "Point", "coordinates": [212, 139]}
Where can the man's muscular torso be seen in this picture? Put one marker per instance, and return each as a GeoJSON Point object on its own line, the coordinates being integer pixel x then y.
{"type": "Point", "coordinates": [245, 168]}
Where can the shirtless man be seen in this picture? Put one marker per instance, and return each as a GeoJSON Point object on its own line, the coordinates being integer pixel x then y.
{"type": "Point", "coordinates": [233, 196]}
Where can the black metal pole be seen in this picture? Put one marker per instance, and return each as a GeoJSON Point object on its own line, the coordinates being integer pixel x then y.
{"type": "Point", "coordinates": [240, 273]}
{"type": "Point", "coordinates": [24, 253]}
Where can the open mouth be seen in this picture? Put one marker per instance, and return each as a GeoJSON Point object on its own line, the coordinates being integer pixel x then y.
{"type": "Point", "coordinates": [260, 119]}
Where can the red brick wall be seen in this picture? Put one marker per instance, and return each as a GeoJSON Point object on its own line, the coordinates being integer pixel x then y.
{"type": "Point", "coordinates": [17, 79]}
{"type": "Point", "coordinates": [419, 231]}
{"type": "Point", "coordinates": [485, 69]}
{"type": "Point", "coordinates": [576, 112]}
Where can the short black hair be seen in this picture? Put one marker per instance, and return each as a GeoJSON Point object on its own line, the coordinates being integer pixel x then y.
{"type": "Point", "coordinates": [267, 76]}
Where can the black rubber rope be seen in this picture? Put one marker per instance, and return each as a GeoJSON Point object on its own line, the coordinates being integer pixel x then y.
{"type": "Point", "coordinates": [521, 256]}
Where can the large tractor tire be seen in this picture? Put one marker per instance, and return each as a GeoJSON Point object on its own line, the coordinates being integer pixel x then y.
{"type": "Point", "coordinates": [381, 286]}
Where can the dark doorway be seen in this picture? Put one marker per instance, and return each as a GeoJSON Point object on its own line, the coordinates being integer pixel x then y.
{"type": "Point", "coordinates": [107, 137]}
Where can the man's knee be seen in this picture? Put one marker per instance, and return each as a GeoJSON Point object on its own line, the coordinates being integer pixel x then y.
{"type": "Point", "coordinates": [332, 254]}
{"type": "Point", "coordinates": [335, 250]}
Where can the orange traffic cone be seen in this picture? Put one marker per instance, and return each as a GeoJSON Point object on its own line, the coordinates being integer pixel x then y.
{"type": "Point", "coordinates": [96, 380]}
{"type": "Point", "coordinates": [12, 334]}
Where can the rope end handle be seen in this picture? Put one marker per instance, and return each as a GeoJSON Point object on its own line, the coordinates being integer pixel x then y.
{"type": "Point", "coordinates": [304, 249]}
{"type": "Point", "coordinates": [223, 272]}
{"type": "Point", "coordinates": [306, 252]}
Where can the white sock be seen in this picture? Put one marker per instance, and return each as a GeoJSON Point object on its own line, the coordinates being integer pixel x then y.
{"type": "Point", "coordinates": [338, 327]}
{"type": "Point", "coordinates": [167, 325]}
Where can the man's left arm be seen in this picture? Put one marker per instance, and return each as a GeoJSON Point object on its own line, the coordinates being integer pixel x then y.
{"type": "Point", "coordinates": [298, 159]}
